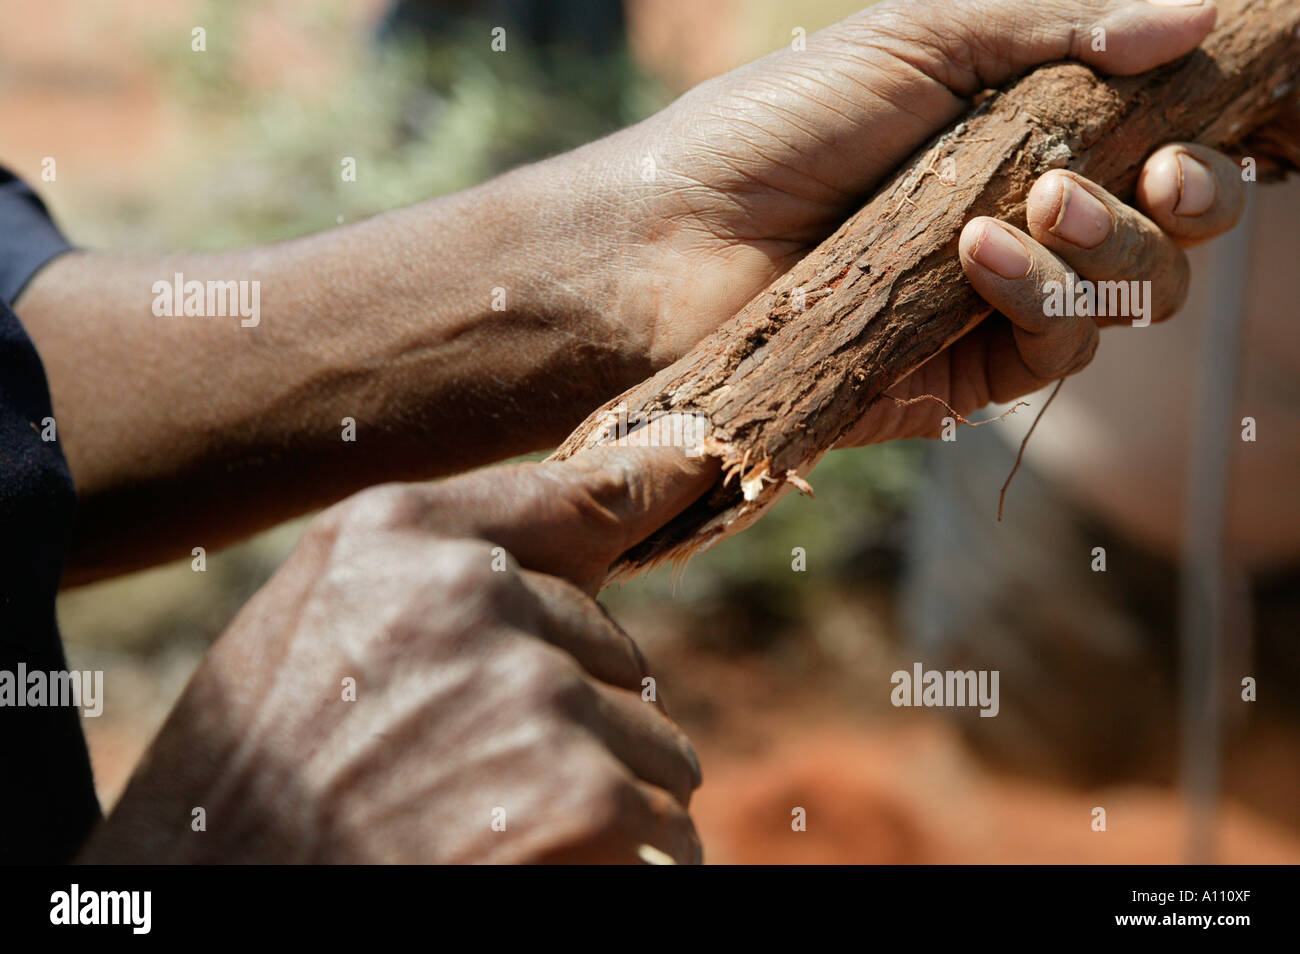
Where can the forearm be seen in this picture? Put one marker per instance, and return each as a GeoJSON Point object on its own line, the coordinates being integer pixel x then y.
{"type": "Point", "coordinates": [193, 431]}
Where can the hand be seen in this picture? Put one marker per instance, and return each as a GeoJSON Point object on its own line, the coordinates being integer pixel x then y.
{"type": "Point", "coordinates": [1188, 193]}
{"type": "Point", "coordinates": [485, 691]}
{"type": "Point", "coordinates": [750, 170]}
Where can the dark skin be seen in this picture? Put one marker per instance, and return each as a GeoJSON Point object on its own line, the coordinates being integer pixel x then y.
{"type": "Point", "coordinates": [478, 687]}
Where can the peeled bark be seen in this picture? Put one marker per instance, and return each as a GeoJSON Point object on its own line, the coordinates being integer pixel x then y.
{"type": "Point", "coordinates": [778, 386]}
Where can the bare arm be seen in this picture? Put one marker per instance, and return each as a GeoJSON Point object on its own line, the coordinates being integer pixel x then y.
{"type": "Point", "coordinates": [194, 431]}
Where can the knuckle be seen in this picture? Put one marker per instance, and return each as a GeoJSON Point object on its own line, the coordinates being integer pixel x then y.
{"type": "Point", "coordinates": [549, 681]}
{"type": "Point", "coordinates": [622, 811]}
{"type": "Point", "coordinates": [1083, 356]}
{"type": "Point", "coordinates": [392, 505]}
{"type": "Point", "coordinates": [637, 663]}
{"type": "Point", "coordinates": [687, 777]}
{"type": "Point", "coordinates": [602, 488]}
{"type": "Point", "coordinates": [326, 526]}
{"type": "Point", "coordinates": [1064, 347]}
{"type": "Point", "coordinates": [384, 506]}
{"type": "Point", "coordinates": [605, 796]}
{"type": "Point", "coordinates": [592, 798]}
{"type": "Point", "coordinates": [468, 568]}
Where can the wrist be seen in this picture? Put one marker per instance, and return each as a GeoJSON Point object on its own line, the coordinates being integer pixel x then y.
{"type": "Point", "coordinates": [586, 264]}
{"type": "Point", "coordinates": [509, 295]}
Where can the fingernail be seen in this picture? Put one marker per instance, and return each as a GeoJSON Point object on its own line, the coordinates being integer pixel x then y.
{"type": "Point", "coordinates": [1176, 3]}
{"type": "Point", "coordinates": [1196, 186]}
{"type": "Point", "coordinates": [1083, 219]}
{"type": "Point", "coordinates": [999, 250]}
{"type": "Point", "coordinates": [653, 856]}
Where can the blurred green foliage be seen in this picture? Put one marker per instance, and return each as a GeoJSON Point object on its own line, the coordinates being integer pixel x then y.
{"type": "Point", "coordinates": [421, 118]}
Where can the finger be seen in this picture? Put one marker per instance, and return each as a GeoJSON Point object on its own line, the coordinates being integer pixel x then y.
{"type": "Point", "coordinates": [667, 828]}
{"type": "Point", "coordinates": [650, 826]}
{"type": "Point", "coordinates": [1009, 377]}
{"type": "Point", "coordinates": [572, 518]}
{"type": "Point", "coordinates": [1102, 239]}
{"type": "Point", "coordinates": [979, 44]}
{"type": "Point", "coordinates": [1010, 271]}
{"type": "Point", "coordinates": [571, 620]}
{"type": "Point", "coordinates": [645, 740]}
{"type": "Point", "coordinates": [1191, 192]}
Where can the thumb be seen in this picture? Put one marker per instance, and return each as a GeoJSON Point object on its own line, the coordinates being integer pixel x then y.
{"type": "Point", "coordinates": [573, 518]}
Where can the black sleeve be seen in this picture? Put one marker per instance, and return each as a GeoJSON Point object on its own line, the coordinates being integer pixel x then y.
{"type": "Point", "coordinates": [28, 238]}
{"type": "Point", "coordinates": [47, 792]}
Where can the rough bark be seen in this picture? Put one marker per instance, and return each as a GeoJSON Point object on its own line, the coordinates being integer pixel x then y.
{"type": "Point", "coordinates": [779, 386]}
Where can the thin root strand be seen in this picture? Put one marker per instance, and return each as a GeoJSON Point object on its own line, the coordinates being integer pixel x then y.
{"type": "Point", "coordinates": [1002, 497]}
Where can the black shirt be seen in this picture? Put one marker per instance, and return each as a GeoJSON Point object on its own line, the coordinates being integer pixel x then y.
{"type": "Point", "coordinates": [47, 795]}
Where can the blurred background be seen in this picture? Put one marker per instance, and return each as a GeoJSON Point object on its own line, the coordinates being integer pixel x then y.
{"type": "Point", "coordinates": [780, 675]}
